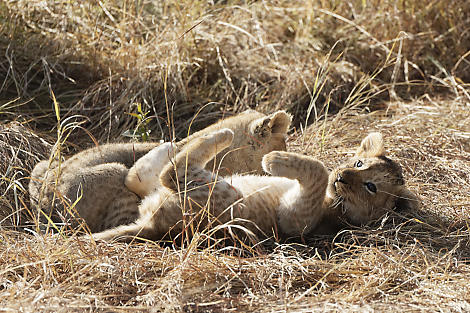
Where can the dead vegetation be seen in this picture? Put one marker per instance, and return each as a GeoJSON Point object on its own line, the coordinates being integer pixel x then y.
{"type": "Point", "coordinates": [102, 59]}
{"type": "Point", "coordinates": [397, 67]}
{"type": "Point", "coordinates": [20, 150]}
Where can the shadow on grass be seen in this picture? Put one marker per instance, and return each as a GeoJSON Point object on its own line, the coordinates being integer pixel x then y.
{"type": "Point", "coordinates": [422, 229]}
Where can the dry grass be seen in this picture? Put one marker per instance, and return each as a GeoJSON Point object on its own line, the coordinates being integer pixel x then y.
{"type": "Point", "coordinates": [20, 150]}
{"type": "Point", "coordinates": [102, 58]}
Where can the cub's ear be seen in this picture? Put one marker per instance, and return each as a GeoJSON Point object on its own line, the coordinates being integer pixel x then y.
{"type": "Point", "coordinates": [371, 146]}
{"type": "Point", "coordinates": [276, 123]}
{"type": "Point", "coordinates": [280, 122]}
{"type": "Point", "coordinates": [407, 200]}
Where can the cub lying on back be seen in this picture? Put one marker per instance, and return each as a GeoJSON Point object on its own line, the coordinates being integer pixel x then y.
{"type": "Point", "coordinates": [293, 201]}
{"type": "Point", "coordinates": [96, 178]}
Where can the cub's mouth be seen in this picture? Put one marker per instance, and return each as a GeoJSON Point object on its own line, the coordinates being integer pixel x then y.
{"type": "Point", "coordinates": [338, 185]}
{"type": "Point", "coordinates": [336, 190]}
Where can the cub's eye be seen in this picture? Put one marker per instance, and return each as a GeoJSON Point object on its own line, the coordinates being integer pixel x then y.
{"type": "Point", "coordinates": [371, 187]}
{"type": "Point", "coordinates": [358, 163]}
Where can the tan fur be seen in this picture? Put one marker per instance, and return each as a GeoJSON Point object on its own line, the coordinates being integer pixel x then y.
{"type": "Point", "coordinates": [256, 135]}
{"type": "Point", "coordinates": [93, 182]}
{"type": "Point", "coordinates": [294, 200]}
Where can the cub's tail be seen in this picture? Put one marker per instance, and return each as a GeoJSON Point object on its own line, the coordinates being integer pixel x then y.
{"type": "Point", "coordinates": [127, 233]}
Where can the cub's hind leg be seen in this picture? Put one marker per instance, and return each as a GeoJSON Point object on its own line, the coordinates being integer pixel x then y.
{"type": "Point", "coordinates": [189, 189]}
{"type": "Point", "coordinates": [301, 207]}
{"type": "Point", "coordinates": [208, 199]}
{"type": "Point", "coordinates": [190, 162]}
{"type": "Point", "coordinates": [144, 177]}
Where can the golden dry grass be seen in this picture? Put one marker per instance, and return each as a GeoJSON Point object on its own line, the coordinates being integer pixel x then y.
{"type": "Point", "coordinates": [101, 58]}
{"type": "Point", "coordinates": [20, 150]}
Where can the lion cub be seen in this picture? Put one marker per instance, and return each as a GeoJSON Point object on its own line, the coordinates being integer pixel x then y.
{"type": "Point", "coordinates": [92, 184]}
{"type": "Point", "coordinates": [292, 201]}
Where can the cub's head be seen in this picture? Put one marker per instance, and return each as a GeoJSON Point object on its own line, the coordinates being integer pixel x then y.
{"type": "Point", "coordinates": [255, 134]}
{"type": "Point", "coordinates": [369, 184]}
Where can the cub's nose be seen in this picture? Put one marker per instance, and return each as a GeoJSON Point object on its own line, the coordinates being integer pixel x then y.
{"type": "Point", "coordinates": [340, 179]}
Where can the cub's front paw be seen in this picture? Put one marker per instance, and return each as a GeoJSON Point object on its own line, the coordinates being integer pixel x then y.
{"type": "Point", "coordinates": [293, 165]}
{"type": "Point", "coordinates": [276, 163]}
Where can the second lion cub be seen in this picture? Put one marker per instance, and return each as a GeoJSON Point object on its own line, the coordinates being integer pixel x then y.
{"type": "Point", "coordinates": [291, 202]}
{"type": "Point", "coordinates": [91, 185]}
